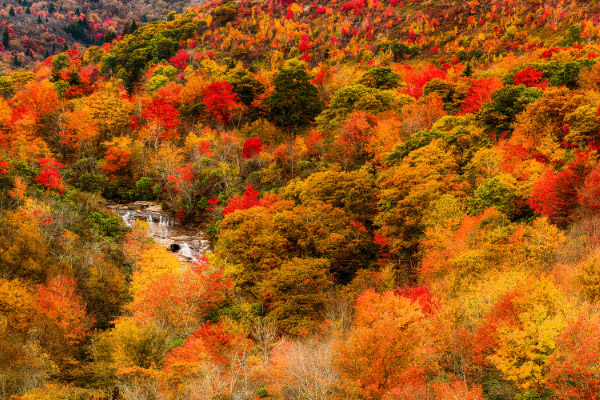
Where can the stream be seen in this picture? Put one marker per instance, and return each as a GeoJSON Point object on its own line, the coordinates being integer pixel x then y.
{"type": "Point", "coordinates": [188, 243]}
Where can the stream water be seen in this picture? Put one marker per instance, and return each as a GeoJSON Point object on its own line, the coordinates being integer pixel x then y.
{"type": "Point", "coordinates": [189, 243]}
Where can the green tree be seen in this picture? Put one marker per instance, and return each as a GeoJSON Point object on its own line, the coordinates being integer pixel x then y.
{"type": "Point", "coordinates": [355, 192]}
{"type": "Point", "coordinates": [498, 192]}
{"type": "Point", "coordinates": [259, 240]}
{"type": "Point", "coordinates": [380, 78]}
{"type": "Point", "coordinates": [453, 94]}
{"type": "Point", "coordinates": [573, 36]}
{"type": "Point", "coordinates": [244, 84]}
{"type": "Point", "coordinates": [60, 62]}
{"type": "Point", "coordinates": [353, 98]}
{"type": "Point", "coordinates": [295, 101]}
{"type": "Point", "coordinates": [499, 115]}
{"type": "Point", "coordinates": [7, 87]}
{"type": "Point", "coordinates": [5, 39]}
{"type": "Point", "coordinates": [584, 124]}
{"type": "Point", "coordinates": [408, 189]}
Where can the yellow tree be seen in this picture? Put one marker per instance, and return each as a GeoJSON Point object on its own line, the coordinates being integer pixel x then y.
{"type": "Point", "coordinates": [519, 334]}
{"type": "Point", "coordinates": [109, 111]}
{"type": "Point", "coordinates": [421, 178]}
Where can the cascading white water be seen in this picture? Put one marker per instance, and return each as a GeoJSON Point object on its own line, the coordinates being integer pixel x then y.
{"type": "Point", "coordinates": [186, 251]}
{"type": "Point", "coordinates": [163, 230]}
{"type": "Point", "coordinates": [126, 217]}
{"type": "Point", "coordinates": [150, 224]}
{"type": "Point", "coordinates": [166, 232]}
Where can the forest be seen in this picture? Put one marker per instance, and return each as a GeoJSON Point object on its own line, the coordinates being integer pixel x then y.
{"type": "Point", "coordinates": [401, 201]}
{"type": "Point", "coordinates": [31, 31]}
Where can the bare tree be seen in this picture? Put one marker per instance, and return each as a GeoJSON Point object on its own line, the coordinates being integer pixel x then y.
{"type": "Point", "coordinates": [303, 369]}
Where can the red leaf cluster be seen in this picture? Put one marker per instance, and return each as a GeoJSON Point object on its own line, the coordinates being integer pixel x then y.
{"type": "Point", "coordinates": [530, 77]}
{"type": "Point", "coordinates": [415, 80]}
{"type": "Point", "coordinates": [49, 176]}
{"type": "Point", "coordinates": [247, 200]}
{"type": "Point", "coordinates": [180, 59]}
{"type": "Point", "coordinates": [4, 165]}
{"type": "Point", "coordinates": [252, 147]}
{"type": "Point", "coordinates": [116, 161]}
{"type": "Point", "coordinates": [219, 99]}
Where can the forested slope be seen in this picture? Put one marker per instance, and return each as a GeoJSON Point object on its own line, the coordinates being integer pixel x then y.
{"type": "Point", "coordinates": [402, 201]}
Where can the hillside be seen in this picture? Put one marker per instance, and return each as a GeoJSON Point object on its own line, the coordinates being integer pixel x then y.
{"type": "Point", "coordinates": [33, 31]}
{"type": "Point", "coordinates": [401, 200]}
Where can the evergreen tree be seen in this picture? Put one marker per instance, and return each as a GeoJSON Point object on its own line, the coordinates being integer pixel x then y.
{"type": "Point", "coordinates": [11, 12]}
{"type": "Point", "coordinates": [295, 101]}
{"type": "Point", "coordinates": [468, 70]}
{"type": "Point", "coordinates": [5, 39]}
{"type": "Point", "coordinates": [574, 35]}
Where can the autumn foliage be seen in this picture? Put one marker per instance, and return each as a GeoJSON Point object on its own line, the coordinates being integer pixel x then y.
{"type": "Point", "coordinates": [246, 200]}
{"type": "Point", "coordinates": [220, 100]}
{"type": "Point", "coordinates": [59, 300]}
{"type": "Point", "coordinates": [555, 194]}
{"type": "Point", "coordinates": [49, 175]}
{"type": "Point", "coordinates": [300, 200]}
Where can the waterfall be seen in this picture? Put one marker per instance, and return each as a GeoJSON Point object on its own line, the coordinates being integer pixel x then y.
{"type": "Point", "coordinates": [166, 231]}
{"type": "Point", "coordinates": [150, 224]}
{"type": "Point", "coordinates": [186, 251]}
{"type": "Point", "coordinates": [126, 217]}
{"type": "Point", "coordinates": [163, 228]}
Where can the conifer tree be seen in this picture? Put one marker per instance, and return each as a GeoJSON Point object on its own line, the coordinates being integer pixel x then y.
{"type": "Point", "coordinates": [295, 101]}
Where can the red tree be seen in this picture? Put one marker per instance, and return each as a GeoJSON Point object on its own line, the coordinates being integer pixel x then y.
{"type": "Point", "coordinates": [4, 166]}
{"type": "Point", "coordinates": [589, 194]}
{"type": "Point", "coordinates": [49, 176]}
{"type": "Point", "coordinates": [163, 120]}
{"type": "Point", "coordinates": [415, 80]}
{"type": "Point", "coordinates": [574, 373]}
{"type": "Point", "coordinates": [252, 147]}
{"type": "Point", "coordinates": [180, 59]}
{"type": "Point", "coordinates": [204, 148]}
{"type": "Point", "coordinates": [247, 200]}
{"type": "Point", "coordinates": [219, 99]}
{"type": "Point", "coordinates": [182, 177]}
{"type": "Point", "coordinates": [116, 162]}
{"type": "Point", "coordinates": [479, 93]}
{"type": "Point", "coordinates": [530, 77]}
{"type": "Point", "coordinates": [61, 303]}
{"type": "Point", "coordinates": [210, 339]}
{"type": "Point", "coordinates": [554, 195]}
{"type": "Point", "coordinates": [304, 43]}
{"type": "Point", "coordinates": [421, 295]}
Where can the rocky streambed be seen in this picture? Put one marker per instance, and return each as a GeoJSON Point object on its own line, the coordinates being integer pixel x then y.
{"type": "Point", "coordinates": [188, 242]}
